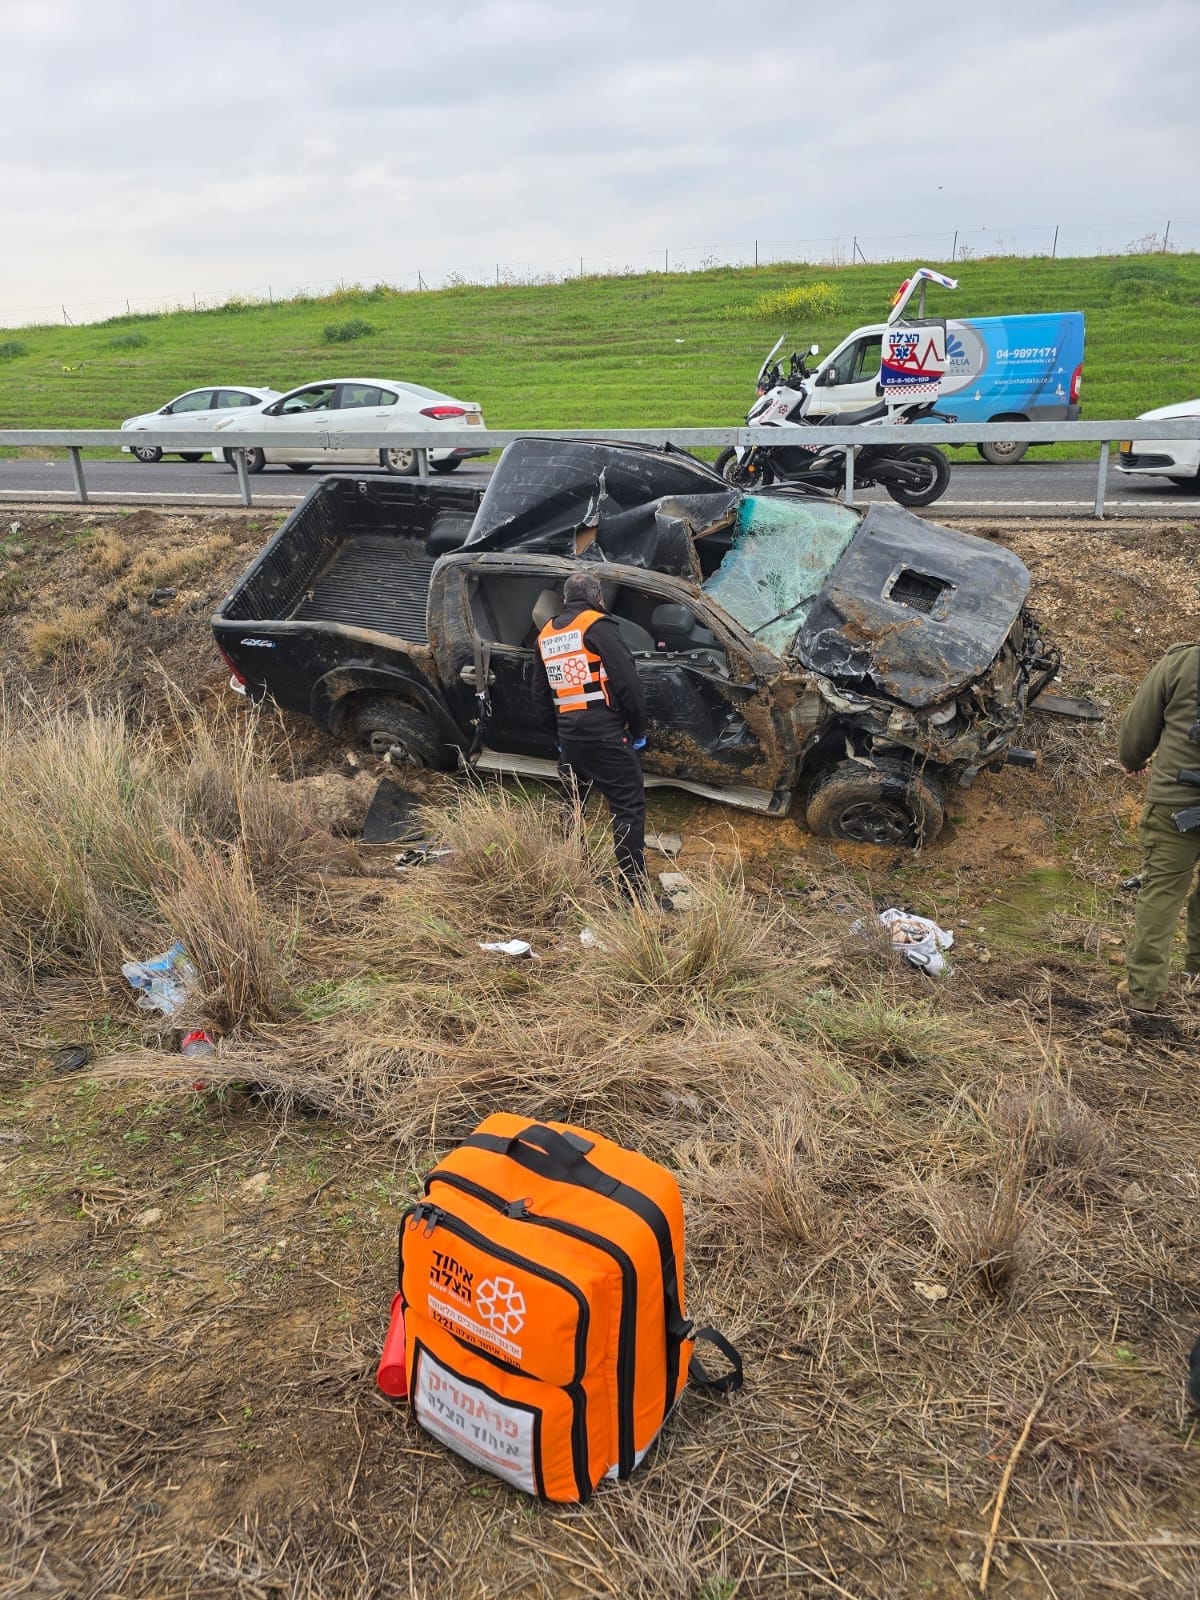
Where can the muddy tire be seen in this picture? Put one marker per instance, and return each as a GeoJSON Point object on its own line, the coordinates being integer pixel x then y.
{"type": "Point", "coordinates": [935, 476]}
{"type": "Point", "coordinates": [887, 803]}
{"type": "Point", "coordinates": [382, 726]}
{"type": "Point", "coordinates": [732, 470]}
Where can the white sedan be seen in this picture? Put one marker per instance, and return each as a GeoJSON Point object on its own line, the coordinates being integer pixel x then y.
{"type": "Point", "coordinates": [357, 405]}
{"type": "Point", "coordinates": [198, 408]}
{"type": "Point", "coordinates": [1177, 459]}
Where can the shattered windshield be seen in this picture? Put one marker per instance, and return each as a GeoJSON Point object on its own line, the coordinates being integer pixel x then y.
{"type": "Point", "coordinates": [783, 551]}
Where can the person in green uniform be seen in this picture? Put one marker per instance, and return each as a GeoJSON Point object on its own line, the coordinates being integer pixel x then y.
{"type": "Point", "coordinates": [1163, 721]}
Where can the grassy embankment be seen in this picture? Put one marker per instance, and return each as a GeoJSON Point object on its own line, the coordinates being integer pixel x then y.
{"type": "Point", "coordinates": [652, 351]}
{"type": "Point", "coordinates": [949, 1224]}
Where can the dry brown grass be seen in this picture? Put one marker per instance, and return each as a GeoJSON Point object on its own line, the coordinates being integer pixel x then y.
{"type": "Point", "coordinates": [908, 1206]}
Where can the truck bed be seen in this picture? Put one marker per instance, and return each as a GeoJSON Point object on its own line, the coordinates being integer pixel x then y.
{"type": "Point", "coordinates": [376, 581]}
{"type": "Point", "coordinates": [354, 555]}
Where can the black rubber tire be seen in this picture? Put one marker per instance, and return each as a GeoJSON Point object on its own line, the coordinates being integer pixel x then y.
{"type": "Point", "coordinates": [191, 456]}
{"type": "Point", "coordinates": [888, 803]}
{"type": "Point", "coordinates": [146, 452]}
{"type": "Point", "coordinates": [939, 476]}
{"type": "Point", "coordinates": [731, 469]}
{"type": "Point", "coordinates": [382, 726]}
{"type": "Point", "coordinates": [255, 460]}
{"type": "Point", "coordinates": [299, 466]}
{"type": "Point", "coordinates": [447, 466]}
{"type": "Point", "coordinates": [400, 463]}
{"type": "Point", "coordinates": [1003, 452]}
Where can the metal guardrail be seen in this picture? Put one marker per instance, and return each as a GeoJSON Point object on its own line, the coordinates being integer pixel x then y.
{"type": "Point", "coordinates": [76, 440]}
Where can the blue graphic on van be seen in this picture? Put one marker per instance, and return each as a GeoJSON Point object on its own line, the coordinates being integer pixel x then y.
{"type": "Point", "coordinates": [1027, 366]}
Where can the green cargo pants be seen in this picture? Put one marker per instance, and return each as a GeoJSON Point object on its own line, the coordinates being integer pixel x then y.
{"type": "Point", "coordinates": [1168, 879]}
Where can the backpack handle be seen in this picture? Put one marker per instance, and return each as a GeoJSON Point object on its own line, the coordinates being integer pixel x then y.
{"type": "Point", "coordinates": [557, 1156]}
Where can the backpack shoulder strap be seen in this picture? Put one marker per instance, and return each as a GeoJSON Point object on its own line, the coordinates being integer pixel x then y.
{"type": "Point", "coordinates": [699, 1374]}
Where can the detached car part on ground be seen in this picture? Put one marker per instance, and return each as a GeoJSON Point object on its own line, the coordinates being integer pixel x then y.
{"type": "Point", "coordinates": [787, 645]}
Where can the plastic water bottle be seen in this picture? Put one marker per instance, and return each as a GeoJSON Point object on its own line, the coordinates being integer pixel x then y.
{"type": "Point", "coordinates": [163, 981]}
{"type": "Point", "coordinates": [198, 1043]}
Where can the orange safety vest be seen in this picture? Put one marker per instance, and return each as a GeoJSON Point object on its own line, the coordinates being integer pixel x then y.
{"type": "Point", "coordinates": [576, 674]}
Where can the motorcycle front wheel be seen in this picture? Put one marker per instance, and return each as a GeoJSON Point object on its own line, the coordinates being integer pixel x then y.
{"type": "Point", "coordinates": [928, 482]}
{"type": "Point", "coordinates": [741, 477]}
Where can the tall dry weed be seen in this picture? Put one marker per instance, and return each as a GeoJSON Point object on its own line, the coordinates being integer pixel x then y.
{"type": "Point", "coordinates": [241, 947]}
{"type": "Point", "coordinates": [516, 861]}
{"type": "Point", "coordinates": [718, 956]}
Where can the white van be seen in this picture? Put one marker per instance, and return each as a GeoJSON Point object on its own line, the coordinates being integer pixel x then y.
{"type": "Point", "coordinates": [998, 369]}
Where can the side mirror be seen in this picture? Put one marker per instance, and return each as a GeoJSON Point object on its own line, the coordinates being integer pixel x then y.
{"type": "Point", "coordinates": [814, 349]}
{"type": "Point", "coordinates": [825, 379]}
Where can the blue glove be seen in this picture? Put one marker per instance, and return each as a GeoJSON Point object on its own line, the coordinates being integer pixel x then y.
{"type": "Point", "coordinates": [639, 744]}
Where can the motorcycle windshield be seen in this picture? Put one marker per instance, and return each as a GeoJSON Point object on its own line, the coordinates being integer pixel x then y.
{"type": "Point", "coordinates": [782, 553]}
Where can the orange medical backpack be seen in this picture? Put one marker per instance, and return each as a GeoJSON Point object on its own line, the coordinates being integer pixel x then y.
{"type": "Point", "coordinates": [541, 1285]}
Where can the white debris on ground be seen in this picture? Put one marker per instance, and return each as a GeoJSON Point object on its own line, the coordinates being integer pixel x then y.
{"type": "Point", "coordinates": [916, 939]}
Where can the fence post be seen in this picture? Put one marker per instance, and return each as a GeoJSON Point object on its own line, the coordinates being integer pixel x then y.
{"type": "Point", "coordinates": [77, 469]}
{"type": "Point", "coordinates": [1054, 246]}
{"type": "Point", "coordinates": [422, 462]}
{"type": "Point", "coordinates": [1167, 236]}
{"type": "Point", "coordinates": [849, 449]}
{"type": "Point", "coordinates": [1101, 477]}
{"type": "Point", "coordinates": [954, 246]}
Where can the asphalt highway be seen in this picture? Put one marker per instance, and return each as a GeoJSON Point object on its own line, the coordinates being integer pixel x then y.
{"type": "Point", "coordinates": [1052, 487]}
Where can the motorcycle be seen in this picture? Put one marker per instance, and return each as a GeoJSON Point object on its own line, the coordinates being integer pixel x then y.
{"type": "Point", "coordinates": [913, 474]}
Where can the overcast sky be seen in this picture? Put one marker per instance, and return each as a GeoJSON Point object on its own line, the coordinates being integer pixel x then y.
{"type": "Point", "coordinates": [162, 151]}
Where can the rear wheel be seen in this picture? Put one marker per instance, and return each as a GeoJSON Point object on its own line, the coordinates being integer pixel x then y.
{"type": "Point", "coordinates": [1003, 452]}
{"type": "Point", "coordinates": [383, 726]}
{"type": "Point", "coordinates": [448, 466]}
{"type": "Point", "coordinates": [403, 463]}
{"type": "Point", "coordinates": [887, 802]}
{"type": "Point", "coordinates": [147, 452]}
{"type": "Point", "coordinates": [932, 480]}
{"type": "Point", "coordinates": [255, 460]}
{"type": "Point", "coordinates": [191, 456]}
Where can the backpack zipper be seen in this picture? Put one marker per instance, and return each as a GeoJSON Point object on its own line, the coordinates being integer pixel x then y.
{"type": "Point", "coordinates": [519, 1211]}
{"type": "Point", "coordinates": [434, 1217]}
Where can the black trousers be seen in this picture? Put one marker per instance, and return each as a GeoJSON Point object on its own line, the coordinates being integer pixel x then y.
{"type": "Point", "coordinates": [615, 769]}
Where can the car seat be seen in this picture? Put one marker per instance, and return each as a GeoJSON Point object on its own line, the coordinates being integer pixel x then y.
{"type": "Point", "coordinates": [676, 629]}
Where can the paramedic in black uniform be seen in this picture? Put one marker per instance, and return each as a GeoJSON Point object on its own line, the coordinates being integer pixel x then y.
{"type": "Point", "coordinates": [589, 693]}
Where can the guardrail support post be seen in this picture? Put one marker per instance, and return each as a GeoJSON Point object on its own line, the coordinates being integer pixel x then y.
{"type": "Point", "coordinates": [77, 469]}
{"type": "Point", "coordinates": [849, 475]}
{"type": "Point", "coordinates": [422, 462]}
{"type": "Point", "coordinates": [1101, 477]}
{"type": "Point", "coordinates": [243, 477]}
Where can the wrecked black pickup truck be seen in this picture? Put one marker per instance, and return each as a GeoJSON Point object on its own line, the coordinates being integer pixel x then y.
{"type": "Point", "coordinates": [787, 645]}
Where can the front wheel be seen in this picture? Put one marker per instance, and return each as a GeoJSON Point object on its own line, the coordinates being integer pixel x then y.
{"type": "Point", "coordinates": [299, 466]}
{"type": "Point", "coordinates": [255, 460]}
{"type": "Point", "coordinates": [928, 482]}
{"type": "Point", "coordinates": [447, 466]}
{"type": "Point", "coordinates": [741, 476]}
{"type": "Point", "coordinates": [147, 452]}
{"type": "Point", "coordinates": [190, 456]}
{"type": "Point", "coordinates": [885, 802]}
{"type": "Point", "coordinates": [403, 463]}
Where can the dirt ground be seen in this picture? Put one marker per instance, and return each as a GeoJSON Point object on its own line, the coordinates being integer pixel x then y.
{"type": "Point", "coordinates": [195, 1282]}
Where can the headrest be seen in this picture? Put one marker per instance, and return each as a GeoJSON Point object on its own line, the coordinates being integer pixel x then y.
{"type": "Point", "coordinates": [548, 604]}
